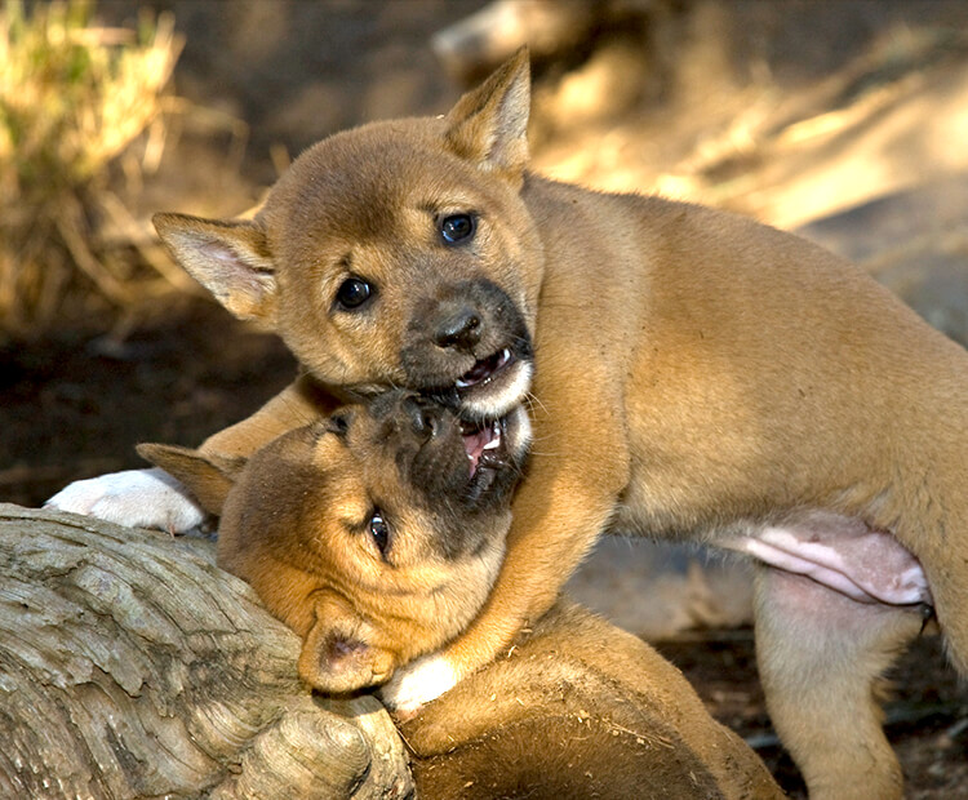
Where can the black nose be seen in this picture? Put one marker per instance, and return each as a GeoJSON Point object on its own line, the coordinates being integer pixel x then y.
{"type": "Point", "coordinates": [423, 414]}
{"type": "Point", "coordinates": [461, 330]}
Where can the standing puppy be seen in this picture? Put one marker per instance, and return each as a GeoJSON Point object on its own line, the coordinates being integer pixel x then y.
{"type": "Point", "coordinates": [696, 375]}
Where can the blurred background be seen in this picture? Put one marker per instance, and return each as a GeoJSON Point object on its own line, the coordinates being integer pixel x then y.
{"type": "Point", "coordinates": [845, 121]}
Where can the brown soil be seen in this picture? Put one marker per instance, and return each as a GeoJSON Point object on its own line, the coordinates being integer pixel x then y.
{"type": "Point", "coordinates": [926, 722]}
{"type": "Point", "coordinates": [77, 402]}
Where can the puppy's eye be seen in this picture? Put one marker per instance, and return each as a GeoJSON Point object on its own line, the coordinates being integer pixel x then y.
{"type": "Point", "coordinates": [457, 228]}
{"type": "Point", "coordinates": [380, 532]}
{"type": "Point", "coordinates": [354, 292]}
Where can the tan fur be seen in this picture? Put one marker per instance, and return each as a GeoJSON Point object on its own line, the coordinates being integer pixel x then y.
{"type": "Point", "coordinates": [578, 708]}
{"type": "Point", "coordinates": [813, 673]}
{"type": "Point", "coordinates": [696, 374]}
{"type": "Point", "coordinates": [293, 525]}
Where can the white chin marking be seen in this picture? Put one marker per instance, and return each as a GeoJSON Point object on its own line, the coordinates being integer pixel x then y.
{"type": "Point", "coordinates": [498, 403]}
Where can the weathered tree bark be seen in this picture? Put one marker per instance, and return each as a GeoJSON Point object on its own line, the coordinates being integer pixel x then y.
{"type": "Point", "coordinates": [131, 666]}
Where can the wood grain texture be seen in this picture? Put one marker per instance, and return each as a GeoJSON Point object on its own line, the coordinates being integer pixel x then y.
{"type": "Point", "coordinates": [131, 666]}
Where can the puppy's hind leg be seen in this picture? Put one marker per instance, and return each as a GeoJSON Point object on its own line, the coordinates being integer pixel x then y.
{"type": "Point", "coordinates": [821, 655]}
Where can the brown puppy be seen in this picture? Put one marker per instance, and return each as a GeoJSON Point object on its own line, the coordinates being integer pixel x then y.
{"type": "Point", "coordinates": [696, 375]}
{"type": "Point", "coordinates": [340, 528]}
{"type": "Point", "coordinates": [577, 709]}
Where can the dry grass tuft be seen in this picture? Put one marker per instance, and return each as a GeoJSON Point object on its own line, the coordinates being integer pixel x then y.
{"type": "Point", "coordinates": [74, 98]}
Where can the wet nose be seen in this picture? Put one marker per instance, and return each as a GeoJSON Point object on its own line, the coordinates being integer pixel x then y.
{"type": "Point", "coordinates": [424, 416]}
{"type": "Point", "coordinates": [460, 330]}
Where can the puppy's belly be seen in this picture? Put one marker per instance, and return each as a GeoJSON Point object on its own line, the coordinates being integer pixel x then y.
{"type": "Point", "coordinates": [840, 553]}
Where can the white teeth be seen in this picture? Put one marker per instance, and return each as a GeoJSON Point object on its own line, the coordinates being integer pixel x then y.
{"type": "Point", "coordinates": [496, 441]}
{"type": "Point", "coordinates": [500, 363]}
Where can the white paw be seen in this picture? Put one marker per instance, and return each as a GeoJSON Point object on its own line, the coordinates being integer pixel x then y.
{"type": "Point", "coordinates": [136, 498]}
{"type": "Point", "coordinates": [424, 680]}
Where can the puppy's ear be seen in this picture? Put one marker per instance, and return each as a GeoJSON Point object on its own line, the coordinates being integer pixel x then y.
{"type": "Point", "coordinates": [338, 654]}
{"type": "Point", "coordinates": [209, 478]}
{"type": "Point", "coordinates": [230, 259]}
{"type": "Point", "coordinates": [489, 125]}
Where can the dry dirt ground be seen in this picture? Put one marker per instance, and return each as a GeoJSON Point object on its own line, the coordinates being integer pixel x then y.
{"type": "Point", "coordinates": [847, 118]}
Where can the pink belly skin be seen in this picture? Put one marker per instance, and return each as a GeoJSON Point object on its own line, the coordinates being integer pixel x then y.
{"type": "Point", "coordinates": [843, 554]}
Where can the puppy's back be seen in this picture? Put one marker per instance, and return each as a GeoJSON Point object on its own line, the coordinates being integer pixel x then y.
{"type": "Point", "coordinates": [579, 708]}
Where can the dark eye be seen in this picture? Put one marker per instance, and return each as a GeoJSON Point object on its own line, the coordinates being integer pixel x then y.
{"type": "Point", "coordinates": [380, 532]}
{"type": "Point", "coordinates": [457, 228]}
{"type": "Point", "coordinates": [353, 292]}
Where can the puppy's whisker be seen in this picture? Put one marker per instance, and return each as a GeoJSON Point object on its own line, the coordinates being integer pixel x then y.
{"type": "Point", "coordinates": [302, 415]}
{"type": "Point", "coordinates": [534, 402]}
{"type": "Point", "coordinates": [536, 439]}
{"type": "Point", "coordinates": [545, 454]}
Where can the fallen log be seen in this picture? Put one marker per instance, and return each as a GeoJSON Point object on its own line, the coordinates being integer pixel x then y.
{"type": "Point", "coordinates": [131, 666]}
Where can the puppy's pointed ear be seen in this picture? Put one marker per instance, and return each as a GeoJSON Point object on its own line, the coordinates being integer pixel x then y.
{"type": "Point", "coordinates": [208, 477]}
{"type": "Point", "coordinates": [339, 655]}
{"type": "Point", "coordinates": [230, 259]}
{"type": "Point", "coordinates": [489, 125]}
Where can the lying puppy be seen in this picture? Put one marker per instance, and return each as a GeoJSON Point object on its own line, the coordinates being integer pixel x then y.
{"type": "Point", "coordinates": [695, 375]}
{"type": "Point", "coordinates": [365, 534]}
{"type": "Point", "coordinates": [340, 528]}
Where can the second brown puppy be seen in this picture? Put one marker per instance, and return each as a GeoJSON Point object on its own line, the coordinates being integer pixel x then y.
{"type": "Point", "coordinates": [340, 528]}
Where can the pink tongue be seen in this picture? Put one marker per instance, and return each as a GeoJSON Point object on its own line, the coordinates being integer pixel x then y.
{"type": "Point", "coordinates": [474, 445]}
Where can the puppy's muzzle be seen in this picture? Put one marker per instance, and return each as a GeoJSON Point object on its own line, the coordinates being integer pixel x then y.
{"type": "Point", "coordinates": [468, 346]}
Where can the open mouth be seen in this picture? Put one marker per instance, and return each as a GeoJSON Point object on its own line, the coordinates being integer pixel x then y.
{"type": "Point", "coordinates": [484, 445]}
{"type": "Point", "coordinates": [496, 455]}
{"type": "Point", "coordinates": [485, 370]}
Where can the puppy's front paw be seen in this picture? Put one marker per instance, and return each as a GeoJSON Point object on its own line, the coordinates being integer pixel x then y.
{"type": "Point", "coordinates": [136, 498]}
{"type": "Point", "coordinates": [424, 680]}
